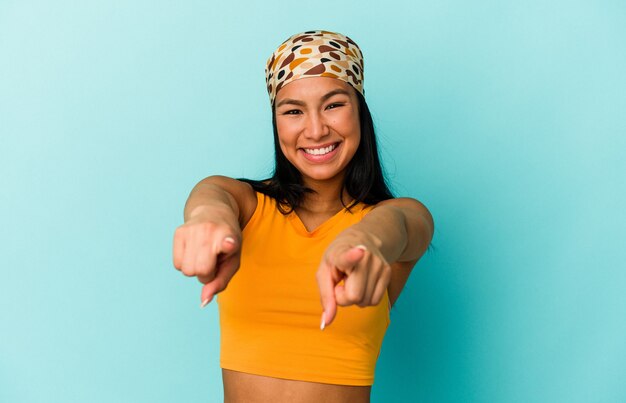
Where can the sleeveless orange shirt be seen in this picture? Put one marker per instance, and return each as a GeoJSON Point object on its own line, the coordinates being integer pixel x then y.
{"type": "Point", "coordinates": [271, 309]}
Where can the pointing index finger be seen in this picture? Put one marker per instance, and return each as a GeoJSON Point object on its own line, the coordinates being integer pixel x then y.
{"type": "Point", "coordinates": [327, 293]}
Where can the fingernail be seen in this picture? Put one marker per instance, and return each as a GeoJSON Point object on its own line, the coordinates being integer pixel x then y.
{"type": "Point", "coordinates": [323, 324]}
{"type": "Point", "coordinates": [362, 247]}
{"type": "Point", "coordinates": [229, 240]}
{"type": "Point", "coordinates": [205, 302]}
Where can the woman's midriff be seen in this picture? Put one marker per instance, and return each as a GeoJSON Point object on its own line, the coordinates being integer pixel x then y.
{"type": "Point", "coordinates": [240, 387]}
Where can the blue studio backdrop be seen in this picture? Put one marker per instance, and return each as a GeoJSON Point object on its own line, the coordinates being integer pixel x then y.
{"type": "Point", "coordinates": [506, 119]}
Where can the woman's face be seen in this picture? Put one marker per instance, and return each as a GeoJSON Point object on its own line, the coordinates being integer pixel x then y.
{"type": "Point", "coordinates": [317, 120]}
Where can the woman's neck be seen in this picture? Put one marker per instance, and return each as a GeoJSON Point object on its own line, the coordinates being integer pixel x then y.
{"type": "Point", "coordinates": [327, 197]}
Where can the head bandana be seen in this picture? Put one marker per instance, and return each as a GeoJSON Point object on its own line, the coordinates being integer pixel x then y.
{"type": "Point", "coordinates": [314, 54]}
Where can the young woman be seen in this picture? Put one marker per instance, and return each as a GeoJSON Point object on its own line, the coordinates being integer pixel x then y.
{"type": "Point", "coordinates": [307, 263]}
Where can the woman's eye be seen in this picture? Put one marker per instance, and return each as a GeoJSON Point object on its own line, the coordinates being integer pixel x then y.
{"type": "Point", "coordinates": [333, 106]}
{"type": "Point", "coordinates": [292, 112]}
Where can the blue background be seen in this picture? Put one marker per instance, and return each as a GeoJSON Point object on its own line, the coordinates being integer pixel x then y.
{"type": "Point", "coordinates": [507, 119]}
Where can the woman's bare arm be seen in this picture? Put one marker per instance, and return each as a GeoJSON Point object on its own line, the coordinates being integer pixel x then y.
{"type": "Point", "coordinates": [403, 228]}
{"type": "Point", "coordinates": [208, 244]}
{"type": "Point", "coordinates": [419, 226]}
{"type": "Point", "coordinates": [374, 255]}
{"type": "Point", "coordinates": [221, 191]}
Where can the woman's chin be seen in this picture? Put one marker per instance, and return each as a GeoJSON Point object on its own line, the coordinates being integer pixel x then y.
{"type": "Point", "coordinates": [322, 175]}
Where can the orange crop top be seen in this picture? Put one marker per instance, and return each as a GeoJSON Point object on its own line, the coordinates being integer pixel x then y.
{"type": "Point", "coordinates": [270, 312]}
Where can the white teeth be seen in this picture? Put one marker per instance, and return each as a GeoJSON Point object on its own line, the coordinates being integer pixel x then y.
{"type": "Point", "coordinates": [320, 151]}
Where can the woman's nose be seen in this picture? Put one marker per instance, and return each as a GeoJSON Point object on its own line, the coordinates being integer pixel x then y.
{"type": "Point", "coordinates": [316, 127]}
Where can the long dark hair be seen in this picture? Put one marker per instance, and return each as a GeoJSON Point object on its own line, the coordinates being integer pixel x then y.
{"type": "Point", "coordinates": [364, 180]}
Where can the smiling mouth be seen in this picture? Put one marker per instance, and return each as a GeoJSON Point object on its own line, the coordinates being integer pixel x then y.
{"type": "Point", "coordinates": [321, 150]}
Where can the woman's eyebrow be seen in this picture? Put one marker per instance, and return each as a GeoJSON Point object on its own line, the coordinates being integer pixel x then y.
{"type": "Point", "coordinates": [289, 101]}
{"type": "Point", "coordinates": [324, 98]}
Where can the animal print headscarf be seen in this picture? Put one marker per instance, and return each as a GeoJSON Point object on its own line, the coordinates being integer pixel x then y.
{"type": "Point", "coordinates": [314, 54]}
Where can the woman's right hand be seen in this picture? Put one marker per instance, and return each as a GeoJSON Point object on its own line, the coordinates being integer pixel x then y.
{"type": "Point", "coordinates": [208, 246]}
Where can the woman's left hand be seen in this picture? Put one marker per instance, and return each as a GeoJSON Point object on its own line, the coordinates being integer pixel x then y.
{"type": "Point", "coordinates": [358, 261]}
